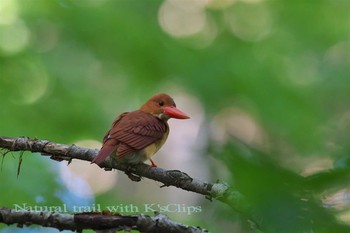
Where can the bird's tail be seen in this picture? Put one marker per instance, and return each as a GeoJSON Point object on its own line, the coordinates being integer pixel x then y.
{"type": "Point", "coordinates": [106, 150]}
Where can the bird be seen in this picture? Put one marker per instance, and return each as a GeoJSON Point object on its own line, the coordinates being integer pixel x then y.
{"type": "Point", "coordinates": [136, 136]}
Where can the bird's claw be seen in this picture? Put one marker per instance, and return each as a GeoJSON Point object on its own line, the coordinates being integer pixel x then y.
{"type": "Point", "coordinates": [132, 176]}
{"type": "Point", "coordinates": [152, 164]}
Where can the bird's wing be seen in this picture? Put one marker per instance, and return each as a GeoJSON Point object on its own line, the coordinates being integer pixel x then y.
{"type": "Point", "coordinates": [131, 132]}
{"type": "Point", "coordinates": [136, 131]}
{"type": "Point", "coordinates": [115, 122]}
{"type": "Point", "coordinates": [108, 145]}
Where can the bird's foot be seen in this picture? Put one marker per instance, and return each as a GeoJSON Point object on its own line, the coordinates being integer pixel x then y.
{"type": "Point", "coordinates": [152, 164]}
{"type": "Point", "coordinates": [132, 176]}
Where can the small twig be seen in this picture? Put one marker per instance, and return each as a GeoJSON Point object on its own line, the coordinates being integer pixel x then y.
{"type": "Point", "coordinates": [20, 163]}
{"type": "Point", "coordinates": [3, 154]}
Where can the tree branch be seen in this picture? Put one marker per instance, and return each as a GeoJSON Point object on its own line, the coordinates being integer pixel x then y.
{"type": "Point", "coordinates": [96, 221]}
{"type": "Point", "coordinates": [219, 190]}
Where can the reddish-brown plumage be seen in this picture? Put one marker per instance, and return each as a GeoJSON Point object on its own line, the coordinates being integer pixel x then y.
{"type": "Point", "coordinates": [136, 136]}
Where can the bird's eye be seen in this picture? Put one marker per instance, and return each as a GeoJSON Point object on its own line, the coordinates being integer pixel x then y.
{"type": "Point", "coordinates": [161, 103]}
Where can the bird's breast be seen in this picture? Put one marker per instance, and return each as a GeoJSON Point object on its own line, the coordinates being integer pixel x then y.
{"type": "Point", "coordinates": [150, 150]}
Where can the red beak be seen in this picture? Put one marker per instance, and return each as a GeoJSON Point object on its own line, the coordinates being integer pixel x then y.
{"type": "Point", "coordinates": [175, 113]}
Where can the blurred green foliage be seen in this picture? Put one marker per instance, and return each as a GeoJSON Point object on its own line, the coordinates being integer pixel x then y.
{"type": "Point", "coordinates": [67, 67]}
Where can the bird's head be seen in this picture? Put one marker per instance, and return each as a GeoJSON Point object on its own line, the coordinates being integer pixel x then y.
{"type": "Point", "coordinates": [163, 107]}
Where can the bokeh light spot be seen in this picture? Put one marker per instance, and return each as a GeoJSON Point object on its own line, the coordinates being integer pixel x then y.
{"type": "Point", "coordinates": [251, 1]}
{"type": "Point", "coordinates": [249, 22]}
{"type": "Point", "coordinates": [85, 179]}
{"type": "Point", "coordinates": [75, 182]}
{"type": "Point", "coordinates": [220, 4]}
{"type": "Point", "coordinates": [13, 37]}
{"type": "Point", "coordinates": [339, 54]}
{"type": "Point", "coordinates": [238, 123]}
{"type": "Point", "coordinates": [181, 18]}
{"type": "Point", "coordinates": [302, 70]}
{"type": "Point", "coordinates": [8, 11]}
{"type": "Point", "coordinates": [31, 81]}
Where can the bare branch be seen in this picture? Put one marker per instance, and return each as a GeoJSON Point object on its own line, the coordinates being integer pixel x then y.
{"type": "Point", "coordinates": [96, 221]}
{"type": "Point", "coordinates": [219, 190]}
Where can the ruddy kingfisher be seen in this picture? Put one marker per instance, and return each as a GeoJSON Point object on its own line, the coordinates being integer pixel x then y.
{"type": "Point", "coordinates": [136, 136]}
